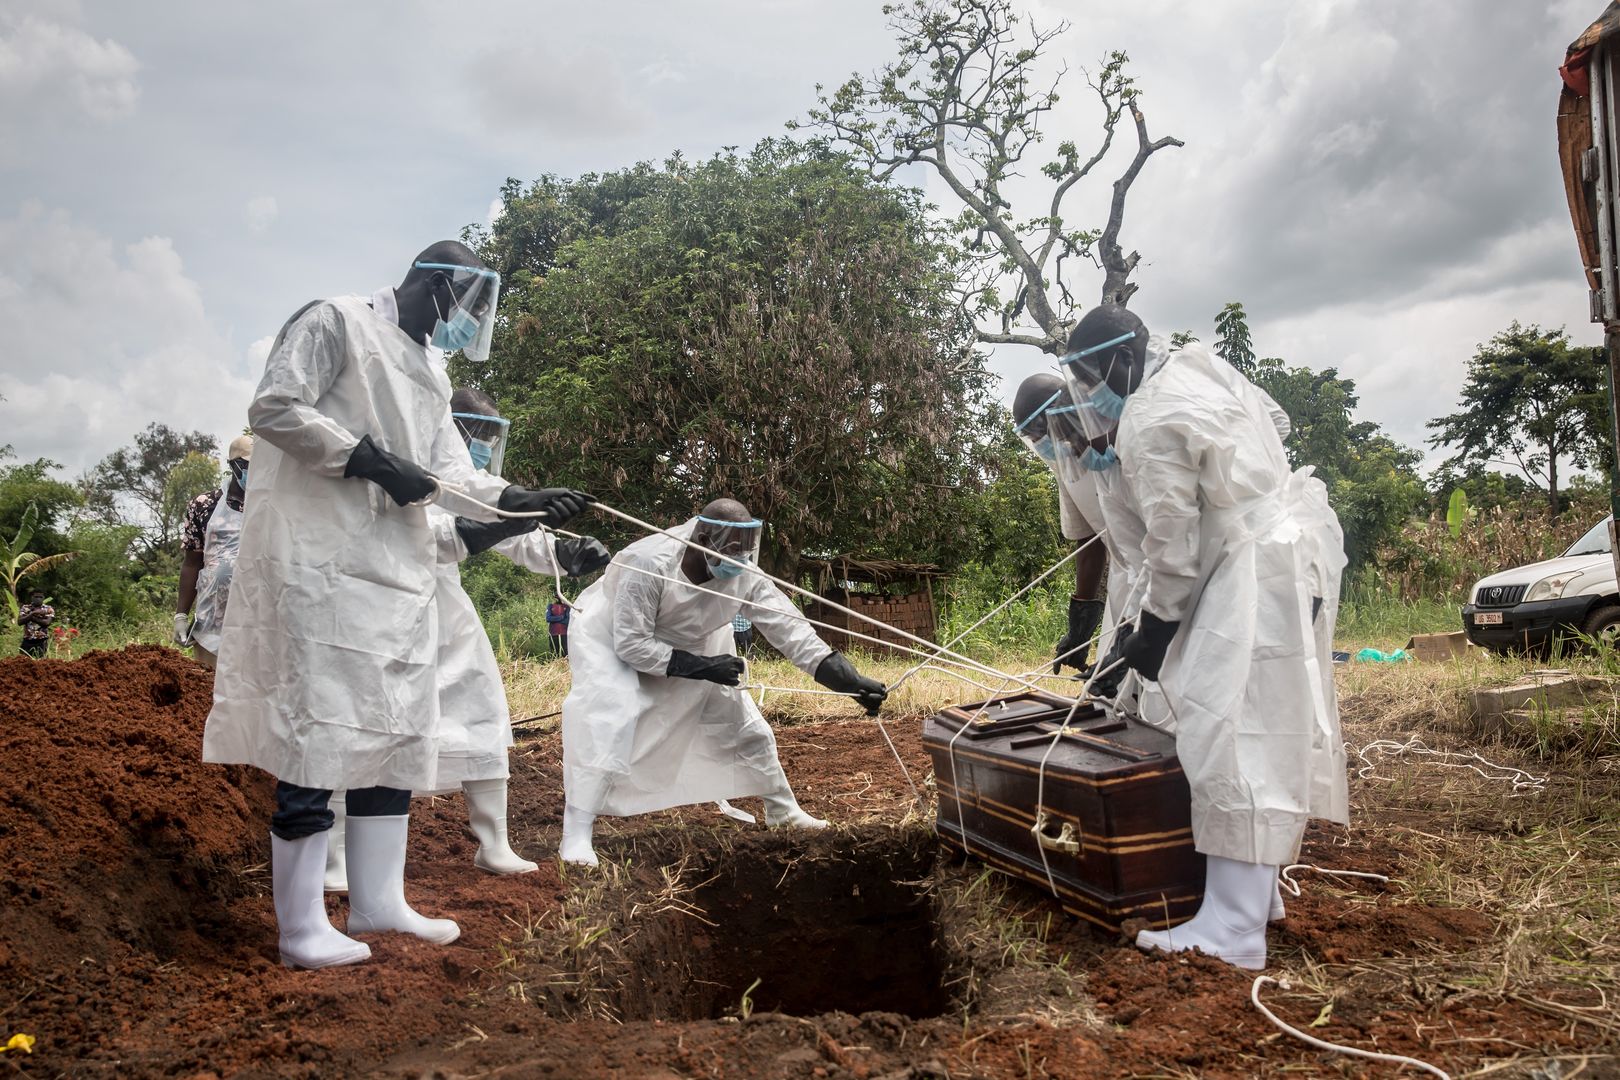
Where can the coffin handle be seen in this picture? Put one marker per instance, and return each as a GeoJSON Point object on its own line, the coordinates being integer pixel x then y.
{"type": "Point", "coordinates": [1069, 840]}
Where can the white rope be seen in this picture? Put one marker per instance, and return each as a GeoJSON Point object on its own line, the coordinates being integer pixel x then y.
{"type": "Point", "coordinates": [1524, 783]}
{"type": "Point", "coordinates": [1286, 880]}
{"type": "Point", "coordinates": [950, 755]}
{"type": "Point", "coordinates": [905, 772]}
{"type": "Point", "coordinates": [556, 568]}
{"type": "Point", "coordinates": [1040, 777]}
{"type": "Point", "coordinates": [959, 675]}
{"type": "Point", "coordinates": [938, 653]}
{"type": "Point", "coordinates": [998, 609]}
{"type": "Point", "coordinates": [683, 583]}
{"type": "Point", "coordinates": [941, 653]}
{"type": "Point", "coordinates": [1323, 1044]}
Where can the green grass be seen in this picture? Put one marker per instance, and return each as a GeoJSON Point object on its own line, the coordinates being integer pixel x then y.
{"type": "Point", "coordinates": [1386, 622]}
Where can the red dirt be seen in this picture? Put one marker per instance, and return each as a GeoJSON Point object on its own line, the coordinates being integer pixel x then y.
{"type": "Point", "coordinates": [138, 936]}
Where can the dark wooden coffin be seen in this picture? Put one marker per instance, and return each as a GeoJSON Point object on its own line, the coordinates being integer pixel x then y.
{"type": "Point", "coordinates": [1116, 827]}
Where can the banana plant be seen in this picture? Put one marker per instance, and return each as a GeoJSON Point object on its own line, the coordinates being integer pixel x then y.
{"type": "Point", "coordinates": [1458, 512]}
{"type": "Point", "coordinates": [17, 563]}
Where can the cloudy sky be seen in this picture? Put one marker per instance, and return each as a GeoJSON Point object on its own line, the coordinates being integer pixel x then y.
{"type": "Point", "coordinates": [1376, 180]}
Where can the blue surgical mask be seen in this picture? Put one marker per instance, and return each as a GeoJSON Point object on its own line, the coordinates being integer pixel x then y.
{"type": "Point", "coordinates": [1105, 402]}
{"type": "Point", "coordinates": [481, 452]}
{"type": "Point", "coordinates": [1045, 450]}
{"type": "Point", "coordinates": [458, 333]}
{"type": "Point", "coordinates": [1099, 462]}
{"type": "Point", "coordinates": [240, 472]}
{"type": "Point", "coordinates": [724, 570]}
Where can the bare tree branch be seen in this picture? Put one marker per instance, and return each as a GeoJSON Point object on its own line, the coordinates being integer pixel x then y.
{"type": "Point", "coordinates": [959, 100]}
{"type": "Point", "coordinates": [1117, 286]}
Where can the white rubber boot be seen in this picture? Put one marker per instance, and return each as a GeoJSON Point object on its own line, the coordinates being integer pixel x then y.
{"type": "Point", "coordinates": [308, 939]}
{"type": "Point", "coordinates": [377, 882]}
{"type": "Point", "coordinates": [576, 838]}
{"type": "Point", "coordinates": [486, 812]}
{"type": "Point", "coordinates": [337, 870]}
{"type": "Point", "coordinates": [1231, 922]}
{"type": "Point", "coordinates": [1278, 912]}
{"type": "Point", "coordinates": [782, 811]}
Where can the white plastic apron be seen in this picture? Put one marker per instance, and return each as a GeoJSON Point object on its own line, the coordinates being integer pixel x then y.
{"type": "Point", "coordinates": [221, 541]}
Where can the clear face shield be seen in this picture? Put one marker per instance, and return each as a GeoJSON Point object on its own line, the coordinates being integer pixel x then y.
{"type": "Point", "coordinates": [485, 437]}
{"type": "Point", "coordinates": [737, 539]}
{"type": "Point", "coordinates": [1071, 442]}
{"type": "Point", "coordinates": [467, 324]}
{"type": "Point", "coordinates": [1098, 378]}
{"type": "Point", "coordinates": [1035, 434]}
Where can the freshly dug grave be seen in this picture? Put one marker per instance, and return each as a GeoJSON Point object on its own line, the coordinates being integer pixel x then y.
{"type": "Point", "coordinates": [138, 937]}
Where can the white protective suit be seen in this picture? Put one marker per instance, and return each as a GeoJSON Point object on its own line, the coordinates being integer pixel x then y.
{"type": "Point", "coordinates": [221, 542]}
{"type": "Point", "coordinates": [475, 728]}
{"type": "Point", "coordinates": [1221, 535]}
{"type": "Point", "coordinates": [328, 665]}
{"type": "Point", "coordinates": [1080, 514]}
{"type": "Point", "coordinates": [636, 740]}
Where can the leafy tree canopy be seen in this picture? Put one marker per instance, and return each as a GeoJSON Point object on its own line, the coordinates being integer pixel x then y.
{"type": "Point", "coordinates": [130, 486]}
{"type": "Point", "coordinates": [1532, 401]}
{"type": "Point", "coordinates": [775, 326]}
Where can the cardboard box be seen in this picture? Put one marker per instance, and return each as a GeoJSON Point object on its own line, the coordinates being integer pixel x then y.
{"type": "Point", "coordinates": [1438, 646]}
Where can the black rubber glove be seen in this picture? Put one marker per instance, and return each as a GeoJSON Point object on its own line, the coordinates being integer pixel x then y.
{"type": "Point", "coordinates": [483, 535]}
{"type": "Point", "coordinates": [582, 556]}
{"type": "Point", "coordinates": [837, 673]}
{"type": "Point", "coordinates": [405, 481]}
{"type": "Point", "coordinates": [1142, 649]}
{"type": "Point", "coordinates": [725, 670]}
{"type": "Point", "coordinates": [1084, 618]}
{"type": "Point", "coordinates": [556, 505]}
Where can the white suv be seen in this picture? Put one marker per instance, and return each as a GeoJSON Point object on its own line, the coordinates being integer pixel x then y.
{"type": "Point", "coordinates": [1525, 609]}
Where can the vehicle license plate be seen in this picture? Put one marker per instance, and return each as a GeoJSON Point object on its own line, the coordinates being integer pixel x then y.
{"type": "Point", "coordinates": [1487, 618]}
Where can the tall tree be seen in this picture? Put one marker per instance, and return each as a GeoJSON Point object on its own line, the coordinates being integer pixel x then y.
{"type": "Point", "coordinates": [777, 327]}
{"type": "Point", "coordinates": [966, 99]}
{"type": "Point", "coordinates": [1532, 401]}
{"type": "Point", "coordinates": [1232, 342]}
{"type": "Point", "coordinates": [131, 485]}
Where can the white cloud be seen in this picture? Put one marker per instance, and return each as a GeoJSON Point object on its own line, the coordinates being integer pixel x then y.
{"type": "Point", "coordinates": [116, 338]}
{"type": "Point", "coordinates": [261, 213]}
{"type": "Point", "coordinates": [45, 62]}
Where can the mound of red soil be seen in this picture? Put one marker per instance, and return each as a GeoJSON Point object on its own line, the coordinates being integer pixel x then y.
{"type": "Point", "coordinates": [112, 830]}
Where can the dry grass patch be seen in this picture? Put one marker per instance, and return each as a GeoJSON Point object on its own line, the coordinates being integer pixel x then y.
{"type": "Point", "coordinates": [1543, 863]}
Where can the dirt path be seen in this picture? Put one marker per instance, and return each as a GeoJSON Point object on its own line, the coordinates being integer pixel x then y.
{"type": "Point", "coordinates": [138, 936]}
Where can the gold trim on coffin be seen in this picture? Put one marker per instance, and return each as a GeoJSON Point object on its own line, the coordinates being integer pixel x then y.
{"type": "Point", "coordinates": [1113, 845]}
{"type": "Point", "coordinates": [1022, 873]}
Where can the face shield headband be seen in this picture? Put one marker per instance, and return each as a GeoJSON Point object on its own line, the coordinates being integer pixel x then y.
{"type": "Point", "coordinates": [469, 324]}
{"type": "Point", "coordinates": [1040, 445]}
{"type": "Point", "coordinates": [486, 439]}
{"type": "Point", "coordinates": [1098, 405]}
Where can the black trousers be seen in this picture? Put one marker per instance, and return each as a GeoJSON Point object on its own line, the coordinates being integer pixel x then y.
{"type": "Point", "coordinates": [744, 640]}
{"type": "Point", "coordinates": [35, 647]}
{"type": "Point", "coordinates": [302, 811]}
{"type": "Point", "coordinates": [559, 644]}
